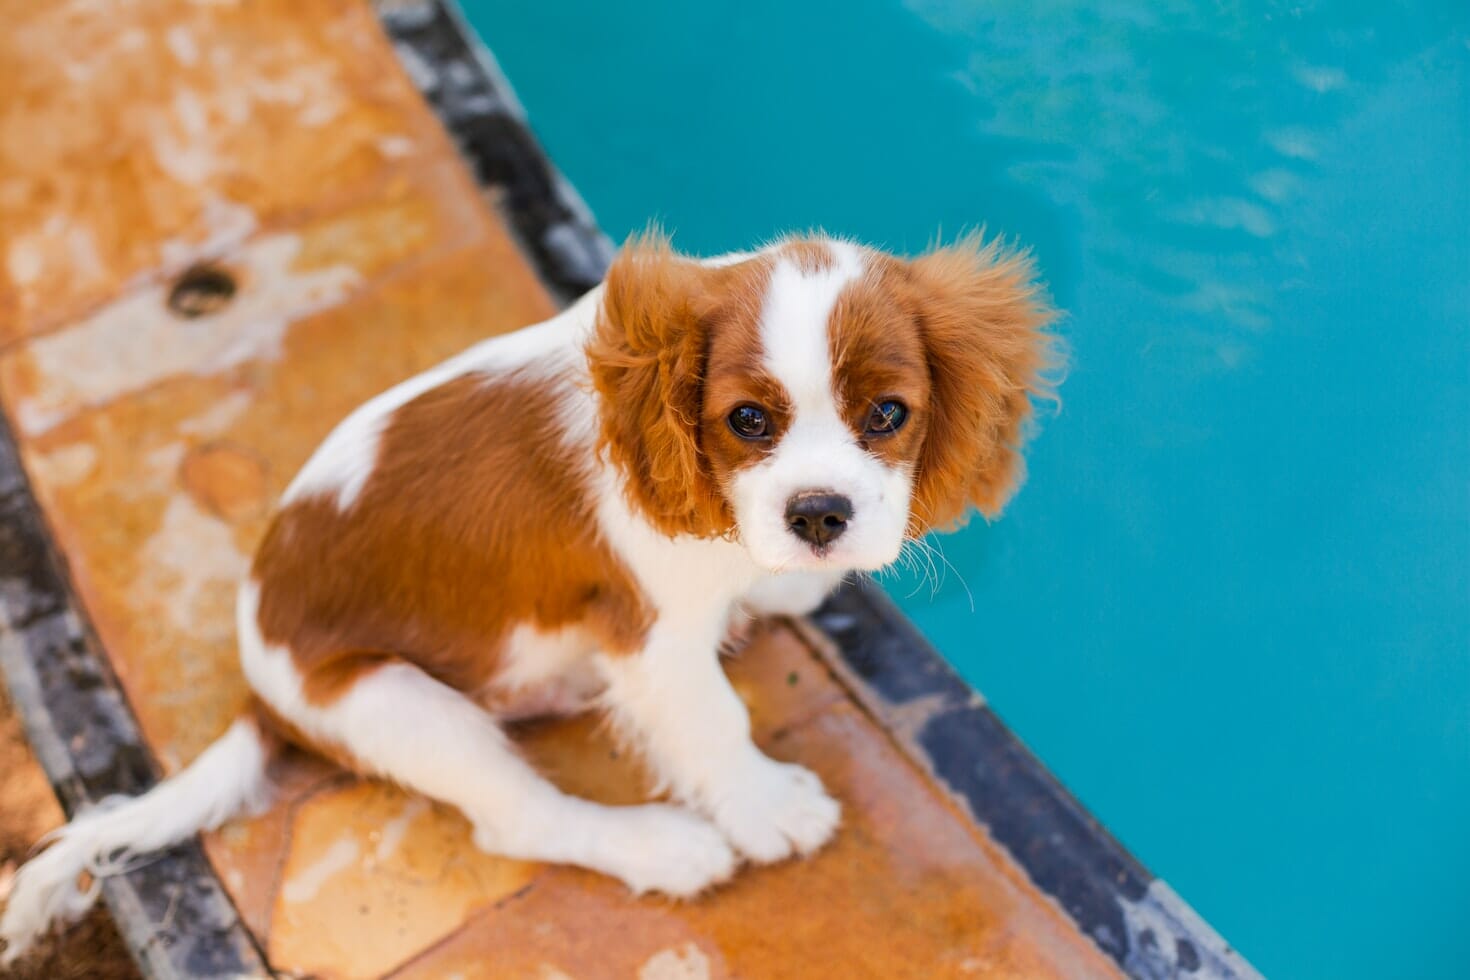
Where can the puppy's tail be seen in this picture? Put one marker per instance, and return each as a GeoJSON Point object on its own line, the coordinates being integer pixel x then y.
{"type": "Point", "coordinates": [226, 779]}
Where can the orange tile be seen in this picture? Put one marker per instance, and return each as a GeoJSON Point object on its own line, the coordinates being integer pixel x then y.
{"type": "Point", "coordinates": [135, 342]}
{"type": "Point", "coordinates": [573, 926]}
{"type": "Point", "coordinates": [373, 877]}
{"type": "Point", "coordinates": [777, 677]}
{"type": "Point", "coordinates": [781, 681]}
{"type": "Point", "coordinates": [248, 853]}
{"type": "Point", "coordinates": [133, 141]}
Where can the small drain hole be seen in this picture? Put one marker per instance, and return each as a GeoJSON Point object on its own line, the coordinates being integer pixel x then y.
{"type": "Point", "coordinates": [200, 291]}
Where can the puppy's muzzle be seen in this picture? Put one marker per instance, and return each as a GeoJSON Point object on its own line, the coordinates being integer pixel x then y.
{"type": "Point", "coordinates": [818, 518]}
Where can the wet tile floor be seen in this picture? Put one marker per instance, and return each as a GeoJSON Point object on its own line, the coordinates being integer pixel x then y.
{"type": "Point", "coordinates": [281, 143]}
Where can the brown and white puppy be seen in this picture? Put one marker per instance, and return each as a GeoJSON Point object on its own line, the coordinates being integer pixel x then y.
{"type": "Point", "coordinates": [574, 512]}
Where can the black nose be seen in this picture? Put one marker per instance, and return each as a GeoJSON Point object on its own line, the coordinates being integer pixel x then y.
{"type": "Point", "coordinates": [818, 518]}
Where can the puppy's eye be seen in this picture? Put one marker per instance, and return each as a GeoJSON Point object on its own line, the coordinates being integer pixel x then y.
{"type": "Point", "coordinates": [749, 422]}
{"type": "Point", "coordinates": [886, 417]}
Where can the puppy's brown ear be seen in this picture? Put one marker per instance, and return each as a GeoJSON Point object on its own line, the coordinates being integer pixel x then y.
{"type": "Point", "coordinates": [984, 325]}
{"type": "Point", "coordinates": [647, 361]}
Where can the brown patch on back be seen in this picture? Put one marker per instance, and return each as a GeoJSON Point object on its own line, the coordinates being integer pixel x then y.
{"type": "Point", "coordinates": [475, 520]}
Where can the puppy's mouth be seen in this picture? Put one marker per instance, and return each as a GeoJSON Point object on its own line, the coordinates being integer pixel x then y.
{"type": "Point", "coordinates": [821, 551]}
{"type": "Point", "coordinates": [800, 557]}
{"type": "Point", "coordinates": [818, 556]}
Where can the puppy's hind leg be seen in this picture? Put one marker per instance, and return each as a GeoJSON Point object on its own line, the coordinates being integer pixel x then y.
{"type": "Point", "coordinates": [400, 723]}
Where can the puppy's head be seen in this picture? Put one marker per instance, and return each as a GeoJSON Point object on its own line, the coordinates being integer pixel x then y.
{"type": "Point", "coordinates": [818, 401]}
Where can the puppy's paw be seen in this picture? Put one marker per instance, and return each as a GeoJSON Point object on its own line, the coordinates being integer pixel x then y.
{"type": "Point", "coordinates": [775, 810]}
{"type": "Point", "coordinates": [670, 850]}
{"type": "Point", "coordinates": [650, 848]}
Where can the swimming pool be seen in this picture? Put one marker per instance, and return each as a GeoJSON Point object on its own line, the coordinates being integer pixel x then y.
{"type": "Point", "coordinates": [1231, 609]}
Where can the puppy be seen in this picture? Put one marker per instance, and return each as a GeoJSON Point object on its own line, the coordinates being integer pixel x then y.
{"type": "Point", "coordinates": [571, 515]}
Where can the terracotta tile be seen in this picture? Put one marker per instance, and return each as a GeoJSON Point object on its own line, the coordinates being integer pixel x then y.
{"type": "Point", "coordinates": [777, 676]}
{"type": "Point", "coordinates": [781, 680]}
{"type": "Point", "coordinates": [156, 477]}
{"type": "Point", "coordinates": [135, 342]}
{"type": "Point", "coordinates": [582, 757]}
{"type": "Point", "coordinates": [573, 926]}
{"type": "Point", "coordinates": [248, 853]}
{"type": "Point", "coordinates": [373, 877]}
{"type": "Point", "coordinates": [133, 142]}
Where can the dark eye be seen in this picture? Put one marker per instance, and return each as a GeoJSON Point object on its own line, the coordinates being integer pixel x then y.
{"type": "Point", "coordinates": [749, 422]}
{"type": "Point", "coordinates": [886, 417]}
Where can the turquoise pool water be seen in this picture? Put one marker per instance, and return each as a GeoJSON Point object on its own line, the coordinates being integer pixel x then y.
{"type": "Point", "coordinates": [1231, 609]}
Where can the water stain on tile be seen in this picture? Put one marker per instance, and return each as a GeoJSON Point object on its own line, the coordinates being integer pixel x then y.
{"type": "Point", "coordinates": [135, 342]}
{"type": "Point", "coordinates": [684, 962]}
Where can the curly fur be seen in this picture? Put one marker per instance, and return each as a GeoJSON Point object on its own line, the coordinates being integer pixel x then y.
{"type": "Point", "coordinates": [647, 357]}
{"type": "Point", "coordinates": [983, 319]}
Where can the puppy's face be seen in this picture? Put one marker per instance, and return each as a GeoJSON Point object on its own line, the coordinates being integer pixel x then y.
{"type": "Point", "coordinates": [819, 402]}
{"type": "Point", "coordinates": [814, 410]}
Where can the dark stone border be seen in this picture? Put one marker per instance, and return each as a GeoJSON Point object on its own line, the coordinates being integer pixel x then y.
{"type": "Point", "coordinates": [935, 716]}
{"type": "Point", "coordinates": [172, 912]}
{"type": "Point", "coordinates": [462, 82]}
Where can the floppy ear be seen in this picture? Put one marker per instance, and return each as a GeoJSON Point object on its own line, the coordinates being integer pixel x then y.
{"type": "Point", "coordinates": [983, 321]}
{"type": "Point", "coordinates": [647, 362]}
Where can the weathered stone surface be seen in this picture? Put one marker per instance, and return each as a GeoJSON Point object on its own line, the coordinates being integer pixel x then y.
{"type": "Point", "coordinates": [139, 136]}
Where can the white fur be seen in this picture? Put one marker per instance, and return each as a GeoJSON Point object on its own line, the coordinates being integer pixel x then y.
{"type": "Point", "coordinates": [786, 594]}
{"type": "Point", "coordinates": [790, 594]}
{"type": "Point", "coordinates": [818, 451]}
{"type": "Point", "coordinates": [227, 778]}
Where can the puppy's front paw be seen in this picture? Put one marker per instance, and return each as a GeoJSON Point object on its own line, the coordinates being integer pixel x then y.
{"type": "Point", "coordinates": [774, 810]}
{"type": "Point", "coordinates": [670, 850]}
